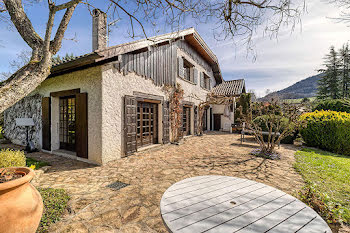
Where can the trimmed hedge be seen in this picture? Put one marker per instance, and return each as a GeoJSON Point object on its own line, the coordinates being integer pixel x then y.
{"type": "Point", "coordinates": [284, 123]}
{"type": "Point", "coordinates": [12, 158]}
{"type": "Point", "coordinates": [328, 130]}
{"type": "Point", "coordinates": [338, 105]}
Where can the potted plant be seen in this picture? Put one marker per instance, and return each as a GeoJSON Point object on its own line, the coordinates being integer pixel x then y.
{"type": "Point", "coordinates": [21, 205]}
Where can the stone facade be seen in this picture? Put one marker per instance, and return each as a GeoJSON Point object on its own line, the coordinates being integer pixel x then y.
{"type": "Point", "coordinates": [29, 107]}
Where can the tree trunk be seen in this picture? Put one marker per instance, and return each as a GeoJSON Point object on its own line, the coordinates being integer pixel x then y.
{"type": "Point", "coordinates": [23, 82]}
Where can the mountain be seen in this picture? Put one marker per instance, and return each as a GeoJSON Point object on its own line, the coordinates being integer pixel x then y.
{"type": "Point", "coordinates": [304, 88]}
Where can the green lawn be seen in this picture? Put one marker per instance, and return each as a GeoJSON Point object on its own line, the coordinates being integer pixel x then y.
{"type": "Point", "coordinates": [329, 175]}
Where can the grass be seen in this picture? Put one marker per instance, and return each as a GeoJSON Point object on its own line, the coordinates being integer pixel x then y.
{"type": "Point", "coordinates": [328, 175]}
{"type": "Point", "coordinates": [38, 164]}
{"type": "Point", "coordinates": [55, 203]}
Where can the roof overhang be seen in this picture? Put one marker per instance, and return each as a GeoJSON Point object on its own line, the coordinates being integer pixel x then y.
{"type": "Point", "coordinates": [79, 62]}
{"type": "Point", "coordinates": [190, 35]}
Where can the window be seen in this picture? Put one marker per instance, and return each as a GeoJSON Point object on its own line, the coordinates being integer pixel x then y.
{"type": "Point", "coordinates": [188, 70]}
{"type": "Point", "coordinates": [205, 81]}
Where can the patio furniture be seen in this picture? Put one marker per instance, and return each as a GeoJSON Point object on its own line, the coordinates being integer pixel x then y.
{"type": "Point", "coordinates": [231, 204]}
{"type": "Point", "coordinates": [247, 131]}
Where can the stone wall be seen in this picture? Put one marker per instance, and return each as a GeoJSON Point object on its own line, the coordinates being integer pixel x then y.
{"type": "Point", "coordinates": [28, 107]}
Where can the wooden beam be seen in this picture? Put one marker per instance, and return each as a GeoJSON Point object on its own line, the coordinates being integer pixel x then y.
{"type": "Point", "coordinates": [65, 93]}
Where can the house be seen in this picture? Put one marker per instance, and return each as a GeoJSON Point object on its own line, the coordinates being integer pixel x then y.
{"type": "Point", "coordinates": [113, 101]}
{"type": "Point", "coordinates": [224, 116]}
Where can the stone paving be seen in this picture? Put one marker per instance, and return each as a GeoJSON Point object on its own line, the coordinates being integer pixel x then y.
{"type": "Point", "coordinates": [135, 208]}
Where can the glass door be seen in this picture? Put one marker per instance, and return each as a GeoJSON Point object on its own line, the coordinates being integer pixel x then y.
{"type": "Point", "coordinates": [67, 123]}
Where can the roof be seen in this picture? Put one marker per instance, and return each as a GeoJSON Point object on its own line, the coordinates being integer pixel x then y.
{"type": "Point", "coordinates": [110, 53]}
{"type": "Point", "coordinates": [230, 88]}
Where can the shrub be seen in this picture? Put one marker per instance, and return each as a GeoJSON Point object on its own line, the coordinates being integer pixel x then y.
{"type": "Point", "coordinates": [328, 130]}
{"type": "Point", "coordinates": [260, 120]}
{"type": "Point", "coordinates": [338, 105]}
{"type": "Point", "coordinates": [12, 158]}
{"type": "Point", "coordinates": [55, 203]}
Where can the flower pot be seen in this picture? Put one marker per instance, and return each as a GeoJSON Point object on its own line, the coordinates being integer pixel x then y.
{"type": "Point", "coordinates": [21, 205]}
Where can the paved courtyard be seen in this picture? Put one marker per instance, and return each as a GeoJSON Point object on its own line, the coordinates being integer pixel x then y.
{"type": "Point", "coordinates": [135, 208]}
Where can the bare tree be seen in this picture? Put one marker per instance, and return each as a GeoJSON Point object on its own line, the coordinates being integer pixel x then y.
{"type": "Point", "coordinates": [234, 19]}
{"type": "Point", "coordinates": [345, 6]}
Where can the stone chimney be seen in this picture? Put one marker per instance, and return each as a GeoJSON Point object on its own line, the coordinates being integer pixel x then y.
{"type": "Point", "coordinates": [99, 30]}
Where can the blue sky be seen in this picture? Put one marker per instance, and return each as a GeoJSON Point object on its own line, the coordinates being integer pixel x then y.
{"type": "Point", "coordinates": [280, 62]}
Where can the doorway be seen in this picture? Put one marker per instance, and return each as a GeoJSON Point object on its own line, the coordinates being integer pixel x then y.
{"type": "Point", "coordinates": [186, 121]}
{"type": "Point", "coordinates": [217, 122]}
{"type": "Point", "coordinates": [67, 126]}
{"type": "Point", "coordinates": [147, 124]}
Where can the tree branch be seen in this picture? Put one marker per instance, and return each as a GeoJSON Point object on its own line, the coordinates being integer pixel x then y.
{"type": "Point", "coordinates": [57, 42]}
{"type": "Point", "coordinates": [22, 23]}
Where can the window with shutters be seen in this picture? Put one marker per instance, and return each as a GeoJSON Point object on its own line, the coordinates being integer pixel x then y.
{"type": "Point", "coordinates": [205, 81]}
{"type": "Point", "coordinates": [187, 71]}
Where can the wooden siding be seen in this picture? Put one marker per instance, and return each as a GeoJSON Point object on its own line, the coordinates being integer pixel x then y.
{"type": "Point", "coordinates": [160, 63]}
{"type": "Point", "coordinates": [156, 64]}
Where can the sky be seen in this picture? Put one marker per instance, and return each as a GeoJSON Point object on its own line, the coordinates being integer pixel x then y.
{"type": "Point", "coordinates": [292, 56]}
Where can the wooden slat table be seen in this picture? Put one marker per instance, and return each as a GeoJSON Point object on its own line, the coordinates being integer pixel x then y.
{"type": "Point", "coordinates": [230, 204]}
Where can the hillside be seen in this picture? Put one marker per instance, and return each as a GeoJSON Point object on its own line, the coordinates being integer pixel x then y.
{"type": "Point", "coordinates": [304, 88]}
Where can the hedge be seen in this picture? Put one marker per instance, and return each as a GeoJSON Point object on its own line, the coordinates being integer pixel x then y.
{"type": "Point", "coordinates": [328, 130]}
{"type": "Point", "coordinates": [338, 105]}
{"type": "Point", "coordinates": [260, 120]}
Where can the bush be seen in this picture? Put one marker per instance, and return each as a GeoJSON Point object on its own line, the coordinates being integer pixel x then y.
{"type": "Point", "coordinates": [328, 130]}
{"type": "Point", "coordinates": [260, 120]}
{"type": "Point", "coordinates": [12, 158]}
{"type": "Point", "coordinates": [338, 105]}
{"type": "Point", "coordinates": [55, 203]}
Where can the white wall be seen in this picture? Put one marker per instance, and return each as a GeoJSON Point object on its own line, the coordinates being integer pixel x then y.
{"type": "Point", "coordinates": [114, 87]}
{"type": "Point", "coordinates": [88, 80]}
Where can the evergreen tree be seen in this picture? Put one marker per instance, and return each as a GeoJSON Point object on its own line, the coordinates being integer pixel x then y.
{"type": "Point", "coordinates": [328, 86]}
{"type": "Point", "coordinates": [344, 62]}
{"type": "Point", "coordinates": [58, 59]}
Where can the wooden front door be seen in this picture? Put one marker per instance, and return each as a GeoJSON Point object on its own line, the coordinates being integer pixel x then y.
{"type": "Point", "coordinates": [186, 121]}
{"type": "Point", "coordinates": [67, 118]}
{"type": "Point", "coordinates": [147, 124]}
{"type": "Point", "coordinates": [217, 122]}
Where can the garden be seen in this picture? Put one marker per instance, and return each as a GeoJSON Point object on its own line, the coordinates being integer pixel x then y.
{"type": "Point", "coordinates": [54, 200]}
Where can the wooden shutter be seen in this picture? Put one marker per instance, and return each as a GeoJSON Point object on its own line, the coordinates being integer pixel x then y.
{"type": "Point", "coordinates": [166, 122]}
{"type": "Point", "coordinates": [180, 65]}
{"type": "Point", "coordinates": [81, 125]}
{"type": "Point", "coordinates": [195, 120]}
{"type": "Point", "coordinates": [130, 115]}
{"type": "Point", "coordinates": [46, 122]}
{"type": "Point", "coordinates": [202, 79]}
{"type": "Point", "coordinates": [195, 76]}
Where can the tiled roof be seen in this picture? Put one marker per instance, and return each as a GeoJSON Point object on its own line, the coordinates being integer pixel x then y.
{"type": "Point", "coordinates": [230, 88]}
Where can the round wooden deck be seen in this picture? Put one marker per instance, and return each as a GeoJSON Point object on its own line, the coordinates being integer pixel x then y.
{"type": "Point", "coordinates": [230, 204]}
